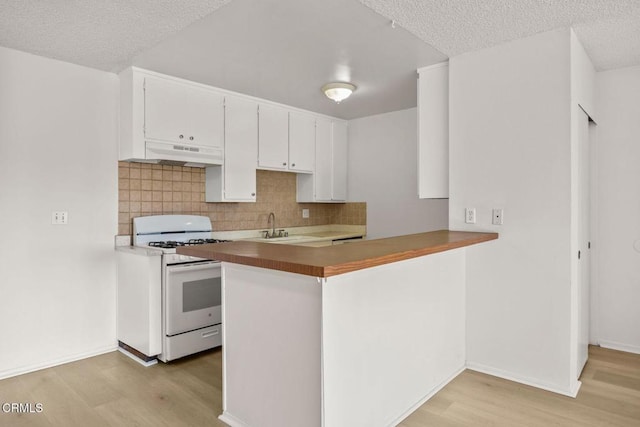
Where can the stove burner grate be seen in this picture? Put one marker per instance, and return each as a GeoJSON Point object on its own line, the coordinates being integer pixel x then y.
{"type": "Point", "coordinates": [203, 241]}
{"type": "Point", "coordinates": [172, 244]}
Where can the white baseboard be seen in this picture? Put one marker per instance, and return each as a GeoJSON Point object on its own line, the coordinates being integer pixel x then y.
{"type": "Point", "coordinates": [428, 396]}
{"type": "Point", "coordinates": [56, 362]}
{"type": "Point", "coordinates": [231, 421]}
{"type": "Point", "coordinates": [571, 392]}
{"type": "Point", "coordinates": [620, 346]}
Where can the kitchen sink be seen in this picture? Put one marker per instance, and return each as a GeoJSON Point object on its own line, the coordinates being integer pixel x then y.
{"type": "Point", "coordinates": [284, 239]}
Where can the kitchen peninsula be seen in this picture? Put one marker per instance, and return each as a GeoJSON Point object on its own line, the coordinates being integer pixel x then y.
{"type": "Point", "coordinates": [358, 334]}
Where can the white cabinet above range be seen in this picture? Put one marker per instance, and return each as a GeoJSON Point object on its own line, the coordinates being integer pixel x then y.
{"type": "Point", "coordinates": [181, 113]}
{"type": "Point", "coordinates": [168, 119]}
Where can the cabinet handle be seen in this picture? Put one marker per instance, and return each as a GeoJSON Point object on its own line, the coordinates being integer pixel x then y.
{"type": "Point", "coordinates": [181, 136]}
{"type": "Point", "coordinates": [293, 165]}
{"type": "Point", "coordinates": [253, 194]}
{"type": "Point", "coordinates": [190, 138]}
{"type": "Point", "coordinates": [284, 163]}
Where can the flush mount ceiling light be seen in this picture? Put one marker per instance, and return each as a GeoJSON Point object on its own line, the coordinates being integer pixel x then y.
{"type": "Point", "coordinates": [338, 91]}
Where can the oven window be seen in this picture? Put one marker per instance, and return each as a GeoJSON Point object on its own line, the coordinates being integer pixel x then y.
{"type": "Point", "coordinates": [199, 294]}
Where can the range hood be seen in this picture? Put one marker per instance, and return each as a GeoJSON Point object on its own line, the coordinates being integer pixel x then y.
{"type": "Point", "coordinates": [182, 155]}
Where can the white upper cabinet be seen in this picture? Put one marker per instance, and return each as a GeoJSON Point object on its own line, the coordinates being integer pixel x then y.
{"type": "Point", "coordinates": [163, 118]}
{"type": "Point", "coordinates": [164, 110]}
{"type": "Point", "coordinates": [433, 132]}
{"type": "Point", "coordinates": [241, 149]}
{"type": "Point", "coordinates": [328, 183]}
{"type": "Point", "coordinates": [235, 181]}
{"type": "Point", "coordinates": [286, 139]}
{"type": "Point", "coordinates": [302, 141]}
{"type": "Point", "coordinates": [205, 121]}
{"type": "Point", "coordinates": [273, 137]}
{"type": "Point", "coordinates": [180, 113]}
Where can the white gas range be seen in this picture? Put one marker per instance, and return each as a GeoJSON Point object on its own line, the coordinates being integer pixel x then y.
{"type": "Point", "coordinates": [169, 305]}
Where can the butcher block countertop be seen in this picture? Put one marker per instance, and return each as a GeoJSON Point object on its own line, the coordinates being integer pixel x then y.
{"type": "Point", "coordinates": [337, 259]}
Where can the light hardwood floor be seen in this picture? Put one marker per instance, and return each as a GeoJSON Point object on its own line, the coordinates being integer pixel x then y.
{"type": "Point", "coordinates": [609, 396]}
{"type": "Point", "coordinates": [113, 390]}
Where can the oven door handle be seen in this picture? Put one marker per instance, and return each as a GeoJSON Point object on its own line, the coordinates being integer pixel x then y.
{"type": "Point", "coordinates": [193, 267]}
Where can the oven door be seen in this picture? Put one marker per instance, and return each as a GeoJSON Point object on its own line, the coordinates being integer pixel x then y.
{"type": "Point", "coordinates": [192, 296]}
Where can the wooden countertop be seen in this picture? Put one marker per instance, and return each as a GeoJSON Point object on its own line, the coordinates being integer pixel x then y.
{"type": "Point", "coordinates": [337, 259]}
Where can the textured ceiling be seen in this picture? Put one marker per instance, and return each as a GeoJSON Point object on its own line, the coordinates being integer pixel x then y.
{"type": "Point", "coordinates": [609, 29]}
{"type": "Point", "coordinates": [103, 34]}
{"type": "Point", "coordinates": [285, 50]}
{"type": "Point", "coordinates": [106, 34]}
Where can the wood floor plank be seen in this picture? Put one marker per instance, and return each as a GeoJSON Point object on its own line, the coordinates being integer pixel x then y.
{"type": "Point", "coordinates": [62, 405]}
{"type": "Point", "coordinates": [113, 390]}
{"type": "Point", "coordinates": [422, 418]}
{"type": "Point", "coordinates": [618, 379]}
{"type": "Point", "coordinates": [78, 375]}
{"type": "Point", "coordinates": [481, 399]}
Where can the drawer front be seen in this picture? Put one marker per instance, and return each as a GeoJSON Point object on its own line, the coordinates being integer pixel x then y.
{"type": "Point", "coordinates": [192, 342]}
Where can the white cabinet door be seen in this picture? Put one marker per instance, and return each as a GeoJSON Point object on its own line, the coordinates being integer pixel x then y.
{"type": "Point", "coordinates": [273, 137]}
{"type": "Point", "coordinates": [164, 107]}
{"type": "Point", "coordinates": [235, 180]}
{"type": "Point", "coordinates": [302, 137]}
{"type": "Point", "coordinates": [328, 183]}
{"type": "Point", "coordinates": [339, 155]}
{"type": "Point", "coordinates": [324, 167]}
{"type": "Point", "coordinates": [204, 117]}
{"type": "Point", "coordinates": [178, 112]}
{"type": "Point", "coordinates": [241, 149]}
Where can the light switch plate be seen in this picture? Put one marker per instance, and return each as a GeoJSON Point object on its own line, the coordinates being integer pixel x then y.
{"type": "Point", "coordinates": [59, 218]}
{"type": "Point", "coordinates": [305, 213]}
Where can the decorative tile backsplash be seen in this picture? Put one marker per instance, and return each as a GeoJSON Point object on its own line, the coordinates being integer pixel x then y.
{"type": "Point", "coordinates": [146, 189]}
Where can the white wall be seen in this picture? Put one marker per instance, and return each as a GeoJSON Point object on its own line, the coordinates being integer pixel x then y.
{"type": "Point", "coordinates": [510, 149]}
{"type": "Point", "coordinates": [409, 320]}
{"type": "Point", "coordinates": [58, 152]}
{"type": "Point", "coordinates": [383, 172]}
{"type": "Point", "coordinates": [583, 75]}
{"type": "Point", "coordinates": [617, 225]}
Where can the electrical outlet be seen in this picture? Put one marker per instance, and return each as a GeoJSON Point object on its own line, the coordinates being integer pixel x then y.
{"type": "Point", "coordinates": [497, 216]}
{"type": "Point", "coordinates": [470, 215]}
{"type": "Point", "coordinates": [305, 213]}
{"type": "Point", "coordinates": [59, 218]}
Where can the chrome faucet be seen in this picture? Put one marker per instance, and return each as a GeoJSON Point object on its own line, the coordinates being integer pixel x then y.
{"type": "Point", "coordinates": [272, 220]}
